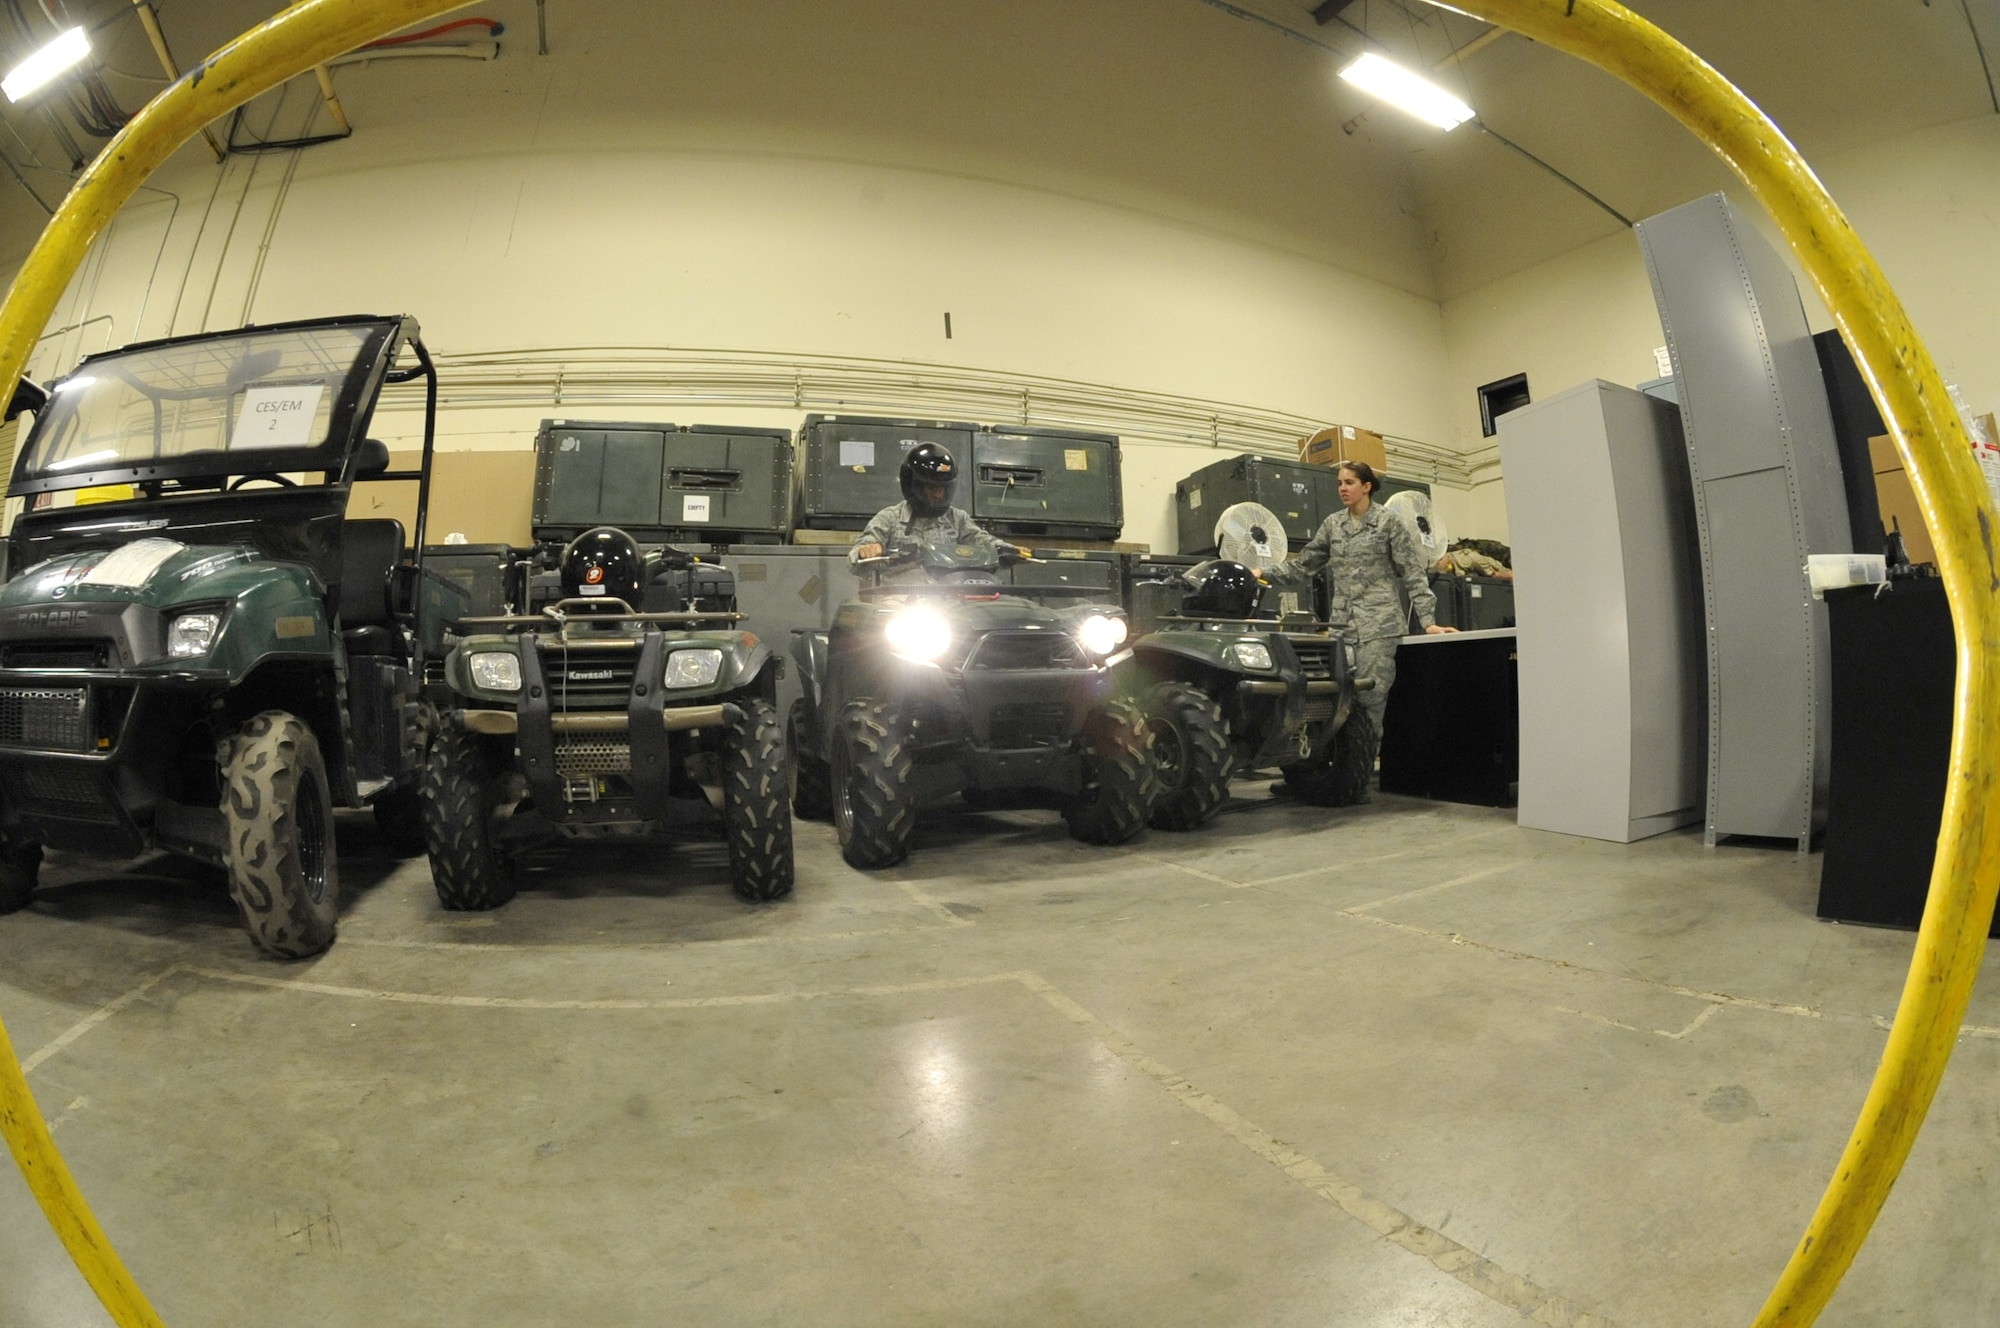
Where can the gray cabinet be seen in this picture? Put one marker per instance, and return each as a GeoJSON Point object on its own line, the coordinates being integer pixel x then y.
{"type": "Point", "coordinates": [1767, 494]}
{"type": "Point", "coordinates": [1607, 597]}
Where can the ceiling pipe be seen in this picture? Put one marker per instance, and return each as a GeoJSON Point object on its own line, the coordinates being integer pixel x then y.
{"type": "Point", "coordinates": [1473, 47]}
{"type": "Point", "coordinates": [150, 21]}
{"type": "Point", "coordinates": [333, 107]}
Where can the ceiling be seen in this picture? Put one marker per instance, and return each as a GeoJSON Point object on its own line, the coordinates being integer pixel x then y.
{"type": "Point", "coordinates": [1222, 115]}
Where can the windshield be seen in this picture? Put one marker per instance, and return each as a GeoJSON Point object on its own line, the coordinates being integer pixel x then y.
{"type": "Point", "coordinates": [254, 401]}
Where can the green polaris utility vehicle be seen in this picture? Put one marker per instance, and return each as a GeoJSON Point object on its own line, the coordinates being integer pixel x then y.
{"type": "Point", "coordinates": [199, 651]}
{"type": "Point", "coordinates": [953, 683]}
{"type": "Point", "coordinates": [592, 721]}
{"type": "Point", "coordinates": [1226, 692]}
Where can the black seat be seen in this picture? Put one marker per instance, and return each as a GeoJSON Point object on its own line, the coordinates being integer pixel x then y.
{"type": "Point", "coordinates": [369, 549]}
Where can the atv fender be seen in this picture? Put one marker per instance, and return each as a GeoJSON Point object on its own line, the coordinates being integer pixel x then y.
{"type": "Point", "coordinates": [809, 649]}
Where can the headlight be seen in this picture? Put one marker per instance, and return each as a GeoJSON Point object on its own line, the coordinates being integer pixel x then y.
{"type": "Point", "coordinates": [1101, 635]}
{"type": "Point", "coordinates": [919, 634]}
{"type": "Point", "coordinates": [192, 634]}
{"type": "Point", "coordinates": [496, 671]}
{"type": "Point", "coordinates": [693, 668]}
{"type": "Point", "coordinates": [1253, 654]}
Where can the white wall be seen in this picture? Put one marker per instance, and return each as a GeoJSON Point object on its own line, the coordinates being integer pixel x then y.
{"type": "Point", "coordinates": [1926, 204]}
{"type": "Point", "coordinates": [795, 255]}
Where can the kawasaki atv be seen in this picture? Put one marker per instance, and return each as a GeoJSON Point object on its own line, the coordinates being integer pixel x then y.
{"type": "Point", "coordinates": [1224, 695]}
{"type": "Point", "coordinates": [946, 683]}
{"type": "Point", "coordinates": [200, 651]}
{"type": "Point", "coordinates": [591, 721]}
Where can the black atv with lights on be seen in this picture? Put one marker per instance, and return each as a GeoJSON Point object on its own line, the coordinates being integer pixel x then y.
{"type": "Point", "coordinates": [199, 650]}
{"type": "Point", "coordinates": [592, 721]}
{"type": "Point", "coordinates": [948, 682]}
{"type": "Point", "coordinates": [1225, 693]}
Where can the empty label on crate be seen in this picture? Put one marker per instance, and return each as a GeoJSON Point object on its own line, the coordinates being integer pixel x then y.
{"type": "Point", "coordinates": [1478, 591]}
{"type": "Point", "coordinates": [1194, 497]}
{"type": "Point", "coordinates": [1076, 458]}
{"type": "Point", "coordinates": [857, 452]}
{"type": "Point", "coordinates": [278, 416]}
{"type": "Point", "coordinates": [694, 507]}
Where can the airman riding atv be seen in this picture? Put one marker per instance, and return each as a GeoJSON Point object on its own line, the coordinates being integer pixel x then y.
{"type": "Point", "coordinates": [1225, 692]}
{"type": "Point", "coordinates": [190, 663]}
{"type": "Point", "coordinates": [948, 684]}
{"type": "Point", "coordinates": [590, 720]}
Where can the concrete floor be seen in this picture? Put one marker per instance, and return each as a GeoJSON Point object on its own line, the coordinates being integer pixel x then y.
{"type": "Point", "coordinates": [1396, 1066]}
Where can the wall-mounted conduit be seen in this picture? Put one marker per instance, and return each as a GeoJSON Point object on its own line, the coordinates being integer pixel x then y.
{"type": "Point", "coordinates": [601, 377]}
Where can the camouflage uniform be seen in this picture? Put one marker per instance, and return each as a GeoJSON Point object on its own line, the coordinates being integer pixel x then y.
{"type": "Point", "coordinates": [893, 527]}
{"type": "Point", "coordinates": [1365, 559]}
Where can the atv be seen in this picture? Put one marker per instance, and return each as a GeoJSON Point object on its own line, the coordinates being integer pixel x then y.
{"type": "Point", "coordinates": [590, 720]}
{"type": "Point", "coordinates": [1225, 692]}
{"type": "Point", "coordinates": [199, 650]}
{"type": "Point", "coordinates": [943, 682]}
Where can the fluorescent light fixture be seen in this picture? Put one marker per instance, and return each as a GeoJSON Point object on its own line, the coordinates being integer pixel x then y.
{"type": "Point", "coordinates": [45, 64]}
{"type": "Point", "coordinates": [1406, 91]}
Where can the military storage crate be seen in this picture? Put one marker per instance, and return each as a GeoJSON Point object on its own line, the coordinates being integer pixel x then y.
{"type": "Point", "coordinates": [851, 464]}
{"type": "Point", "coordinates": [1288, 488]}
{"type": "Point", "coordinates": [1490, 603]}
{"type": "Point", "coordinates": [1055, 482]}
{"type": "Point", "coordinates": [705, 483]}
{"type": "Point", "coordinates": [589, 474]}
{"type": "Point", "coordinates": [1154, 586]}
{"type": "Point", "coordinates": [478, 569]}
{"type": "Point", "coordinates": [1328, 487]}
{"type": "Point", "coordinates": [1099, 573]}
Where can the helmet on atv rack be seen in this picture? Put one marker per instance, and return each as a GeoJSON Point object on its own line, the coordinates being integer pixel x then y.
{"type": "Point", "coordinates": [1220, 588]}
{"type": "Point", "coordinates": [602, 562]}
{"type": "Point", "coordinates": [928, 474]}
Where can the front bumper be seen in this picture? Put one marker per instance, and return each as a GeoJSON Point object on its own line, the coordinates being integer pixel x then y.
{"type": "Point", "coordinates": [1012, 729]}
{"type": "Point", "coordinates": [87, 761]}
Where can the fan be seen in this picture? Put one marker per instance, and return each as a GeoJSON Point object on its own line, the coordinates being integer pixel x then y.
{"type": "Point", "coordinates": [1251, 534]}
{"type": "Point", "coordinates": [1414, 510]}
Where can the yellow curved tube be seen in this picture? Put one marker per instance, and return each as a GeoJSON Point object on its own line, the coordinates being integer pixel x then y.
{"type": "Point", "coordinates": [1960, 514]}
{"type": "Point", "coordinates": [305, 35]}
{"type": "Point", "coordinates": [1904, 381]}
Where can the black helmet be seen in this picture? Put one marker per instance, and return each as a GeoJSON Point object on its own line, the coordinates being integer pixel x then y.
{"type": "Point", "coordinates": [602, 562]}
{"type": "Point", "coordinates": [1220, 588]}
{"type": "Point", "coordinates": [927, 475]}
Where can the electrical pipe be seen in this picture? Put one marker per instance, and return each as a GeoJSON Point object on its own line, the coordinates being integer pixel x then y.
{"type": "Point", "coordinates": [150, 21]}
{"type": "Point", "coordinates": [1961, 515]}
{"type": "Point", "coordinates": [307, 34]}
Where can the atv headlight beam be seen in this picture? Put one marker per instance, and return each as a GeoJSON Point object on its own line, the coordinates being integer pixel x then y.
{"type": "Point", "coordinates": [1101, 634]}
{"type": "Point", "coordinates": [919, 633]}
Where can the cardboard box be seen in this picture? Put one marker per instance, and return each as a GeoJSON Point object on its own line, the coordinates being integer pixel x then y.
{"type": "Point", "coordinates": [486, 496]}
{"type": "Point", "coordinates": [1343, 442]}
{"type": "Point", "coordinates": [1897, 498]}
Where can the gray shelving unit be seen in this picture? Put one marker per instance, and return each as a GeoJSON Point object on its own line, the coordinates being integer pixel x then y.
{"type": "Point", "coordinates": [1767, 493]}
